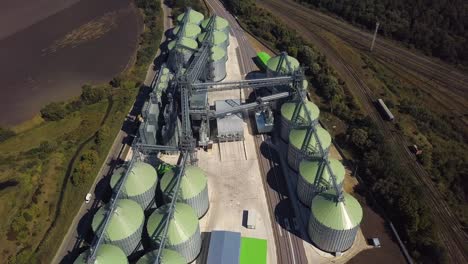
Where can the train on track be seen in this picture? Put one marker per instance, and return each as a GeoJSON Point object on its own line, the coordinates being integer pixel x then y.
{"type": "Point", "coordinates": [384, 111]}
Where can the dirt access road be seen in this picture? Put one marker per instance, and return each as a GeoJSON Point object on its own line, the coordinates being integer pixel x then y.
{"type": "Point", "coordinates": [304, 21]}
{"type": "Point", "coordinates": [446, 84]}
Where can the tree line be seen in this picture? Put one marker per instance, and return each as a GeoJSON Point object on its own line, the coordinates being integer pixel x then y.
{"type": "Point", "coordinates": [437, 27]}
{"type": "Point", "coordinates": [390, 182]}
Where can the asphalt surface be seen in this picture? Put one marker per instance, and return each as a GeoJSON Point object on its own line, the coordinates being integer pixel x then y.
{"type": "Point", "coordinates": [449, 229]}
{"type": "Point", "coordinates": [289, 245]}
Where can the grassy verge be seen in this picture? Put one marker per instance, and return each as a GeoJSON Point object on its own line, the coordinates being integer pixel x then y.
{"type": "Point", "coordinates": [389, 182]}
{"type": "Point", "coordinates": [43, 180]}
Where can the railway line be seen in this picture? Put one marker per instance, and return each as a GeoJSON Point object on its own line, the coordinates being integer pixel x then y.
{"type": "Point", "coordinates": [289, 248]}
{"type": "Point", "coordinates": [440, 79]}
{"type": "Point", "coordinates": [450, 231]}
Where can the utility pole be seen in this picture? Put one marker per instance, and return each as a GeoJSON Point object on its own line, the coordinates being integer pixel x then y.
{"type": "Point", "coordinates": [375, 35]}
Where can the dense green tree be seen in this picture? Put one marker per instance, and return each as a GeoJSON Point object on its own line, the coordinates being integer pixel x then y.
{"type": "Point", "coordinates": [92, 95]}
{"type": "Point", "coordinates": [54, 111]}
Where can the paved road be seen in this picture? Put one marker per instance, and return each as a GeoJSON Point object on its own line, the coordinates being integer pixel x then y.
{"type": "Point", "coordinates": [81, 223]}
{"type": "Point", "coordinates": [289, 245]}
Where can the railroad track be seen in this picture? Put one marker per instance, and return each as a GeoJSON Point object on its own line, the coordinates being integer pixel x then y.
{"type": "Point", "coordinates": [450, 231]}
{"type": "Point", "coordinates": [439, 78]}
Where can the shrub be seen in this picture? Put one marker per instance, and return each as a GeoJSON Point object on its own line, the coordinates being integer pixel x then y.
{"type": "Point", "coordinates": [54, 111]}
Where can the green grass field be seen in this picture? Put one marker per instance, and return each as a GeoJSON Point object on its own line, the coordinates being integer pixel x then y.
{"type": "Point", "coordinates": [253, 251]}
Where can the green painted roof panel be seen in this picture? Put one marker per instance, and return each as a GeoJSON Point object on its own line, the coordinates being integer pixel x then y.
{"type": "Point", "coordinates": [217, 53]}
{"type": "Point", "coordinates": [188, 42]}
{"type": "Point", "coordinates": [287, 110]}
{"type": "Point", "coordinates": [338, 216]}
{"type": "Point", "coordinates": [182, 226]}
{"type": "Point", "coordinates": [297, 136]}
{"type": "Point", "coordinates": [191, 184]}
{"type": "Point", "coordinates": [190, 31]}
{"type": "Point", "coordinates": [140, 179]}
{"type": "Point", "coordinates": [219, 37]}
{"type": "Point", "coordinates": [106, 254]}
{"type": "Point", "coordinates": [167, 257]}
{"type": "Point", "coordinates": [126, 219]}
{"type": "Point", "coordinates": [273, 63]}
{"type": "Point", "coordinates": [194, 17]}
{"type": "Point", "coordinates": [219, 23]}
{"type": "Point", "coordinates": [309, 170]}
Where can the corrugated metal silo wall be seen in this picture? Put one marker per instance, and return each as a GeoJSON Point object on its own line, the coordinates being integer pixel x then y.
{"type": "Point", "coordinates": [295, 156]}
{"type": "Point", "coordinates": [199, 202]}
{"type": "Point", "coordinates": [130, 244]}
{"type": "Point", "coordinates": [190, 248]}
{"type": "Point", "coordinates": [331, 240]}
{"type": "Point", "coordinates": [219, 69]}
{"type": "Point", "coordinates": [306, 191]}
{"type": "Point", "coordinates": [146, 198]}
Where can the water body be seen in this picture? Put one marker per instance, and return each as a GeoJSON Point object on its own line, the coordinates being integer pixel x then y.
{"type": "Point", "coordinates": [50, 48]}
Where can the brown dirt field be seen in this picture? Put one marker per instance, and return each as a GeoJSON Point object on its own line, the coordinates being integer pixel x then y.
{"type": "Point", "coordinates": [88, 42]}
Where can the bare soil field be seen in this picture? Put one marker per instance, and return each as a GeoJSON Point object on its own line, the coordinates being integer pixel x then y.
{"type": "Point", "coordinates": [49, 55]}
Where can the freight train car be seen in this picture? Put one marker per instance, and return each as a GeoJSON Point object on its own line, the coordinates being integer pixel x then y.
{"type": "Point", "coordinates": [384, 110]}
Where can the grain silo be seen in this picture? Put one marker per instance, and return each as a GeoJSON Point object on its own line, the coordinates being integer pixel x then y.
{"type": "Point", "coordinates": [140, 185]}
{"type": "Point", "coordinates": [282, 64]}
{"type": "Point", "coordinates": [294, 113]}
{"type": "Point", "coordinates": [219, 39]}
{"type": "Point", "coordinates": [190, 16]}
{"type": "Point", "coordinates": [125, 226]}
{"type": "Point", "coordinates": [167, 257]}
{"type": "Point", "coordinates": [217, 64]}
{"type": "Point", "coordinates": [314, 178]}
{"type": "Point", "coordinates": [217, 23]}
{"type": "Point", "coordinates": [180, 50]}
{"type": "Point", "coordinates": [333, 224]}
{"type": "Point", "coordinates": [303, 147]}
{"type": "Point", "coordinates": [106, 254]}
{"type": "Point", "coordinates": [183, 233]}
{"type": "Point", "coordinates": [188, 31]}
{"type": "Point", "coordinates": [193, 188]}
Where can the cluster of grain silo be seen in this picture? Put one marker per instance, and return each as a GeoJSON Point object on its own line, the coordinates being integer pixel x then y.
{"type": "Point", "coordinates": [105, 254]}
{"type": "Point", "coordinates": [333, 224]}
{"type": "Point", "coordinates": [294, 114]}
{"type": "Point", "coordinates": [314, 178]}
{"type": "Point", "coordinates": [140, 184]}
{"type": "Point", "coordinates": [183, 233]}
{"type": "Point", "coordinates": [193, 188]}
{"type": "Point", "coordinates": [125, 225]}
{"type": "Point", "coordinates": [217, 23]}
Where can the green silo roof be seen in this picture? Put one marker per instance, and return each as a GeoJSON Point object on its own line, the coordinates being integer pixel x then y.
{"type": "Point", "coordinates": [194, 17]}
{"type": "Point", "coordinates": [191, 30]}
{"type": "Point", "coordinates": [182, 226]}
{"type": "Point", "coordinates": [297, 136]}
{"type": "Point", "coordinates": [188, 42]}
{"type": "Point", "coordinates": [273, 63]}
{"type": "Point", "coordinates": [217, 53]}
{"type": "Point", "coordinates": [126, 219]}
{"type": "Point", "coordinates": [219, 23]}
{"type": "Point", "coordinates": [191, 184]}
{"type": "Point", "coordinates": [305, 84]}
{"type": "Point", "coordinates": [287, 110]}
{"type": "Point", "coordinates": [219, 37]}
{"type": "Point", "coordinates": [339, 216]}
{"type": "Point", "coordinates": [140, 179]}
{"type": "Point", "coordinates": [165, 70]}
{"type": "Point", "coordinates": [309, 170]}
{"type": "Point", "coordinates": [106, 254]}
{"type": "Point", "coordinates": [167, 257]}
